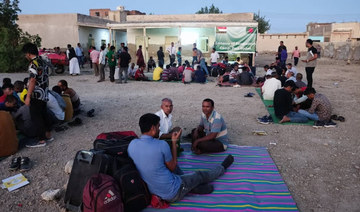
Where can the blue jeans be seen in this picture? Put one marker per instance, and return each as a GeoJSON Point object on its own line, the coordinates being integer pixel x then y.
{"type": "Point", "coordinates": [203, 66]}
{"type": "Point", "coordinates": [81, 60]}
{"type": "Point", "coordinates": [312, 116]}
{"type": "Point", "coordinates": [297, 117]}
{"type": "Point", "coordinates": [194, 60]}
{"type": "Point", "coordinates": [192, 180]}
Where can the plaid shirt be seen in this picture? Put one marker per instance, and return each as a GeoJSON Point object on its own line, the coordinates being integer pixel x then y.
{"type": "Point", "coordinates": [321, 105]}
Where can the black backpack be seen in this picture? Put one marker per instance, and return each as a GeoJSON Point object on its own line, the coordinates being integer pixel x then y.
{"type": "Point", "coordinates": [134, 191]}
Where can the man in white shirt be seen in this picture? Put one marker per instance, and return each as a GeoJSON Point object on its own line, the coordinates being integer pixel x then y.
{"type": "Point", "coordinates": [290, 76]}
{"type": "Point", "coordinates": [102, 63]}
{"type": "Point", "coordinates": [166, 119]}
{"type": "Point", "coordinates": [270, 86]}
{"type": "Point", "coordinates": [172, 52]}
{"type": "Point", "coordinates": [132, 71]}
{"type": "Point", "coordinates": [291, 68]}
{"type": "Point", "coordinates": [214, 56]}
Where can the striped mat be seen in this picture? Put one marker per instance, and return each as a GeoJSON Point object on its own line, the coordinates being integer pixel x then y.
{"type": "Point", "coordinates": [252, 183]}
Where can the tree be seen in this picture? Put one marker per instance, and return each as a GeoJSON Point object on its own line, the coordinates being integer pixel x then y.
{"type": "Point", "coordinates": [207, 10]}
{"type": "Point", "coordinates": [264, 25]}
{"type": "Point", "coordinates": [12, 38]}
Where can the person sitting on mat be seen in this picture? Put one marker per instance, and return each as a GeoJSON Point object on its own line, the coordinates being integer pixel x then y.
{"type": "Point", "coordinates": [283, 105]}
{"type": "Point", "coordinates": [320, 110]}
{"type": "Point", "coordinates": [166, 129]}
{"type": "Point", "coordinates": [270, 86]}
{"type": "Point", "coordinates": [158, 166]}
{"type": "Point", "coordinates": [211, 134]}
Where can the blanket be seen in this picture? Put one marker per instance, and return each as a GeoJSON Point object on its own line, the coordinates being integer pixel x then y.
{"type": "Point", "coordinates": [251, 183]}
{"type": "Point", "coordinates": [271, 111]}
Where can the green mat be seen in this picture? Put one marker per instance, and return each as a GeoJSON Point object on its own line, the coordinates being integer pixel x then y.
{"type": "Point", "coordinates": [271, 110]}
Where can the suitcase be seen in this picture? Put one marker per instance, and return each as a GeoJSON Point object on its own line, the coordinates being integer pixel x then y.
{"type": "Point", "coordinates": [114, 143]}
{"type": "Point", "coordinates": [86, 164]}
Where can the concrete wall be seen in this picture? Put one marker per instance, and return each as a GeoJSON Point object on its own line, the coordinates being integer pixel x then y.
{"type": "Point", "coordinates": [343, 31]}
{"type": "Point", "coordinates": [229, 17]}
{"type": "Point", "coordinates": [341, 50]}
{"type": "Point", "coordinates": [96, 34]}
{"type": "Point", "coordinates": [157, 38]}
{"type": "Point", "coordinates": [55, 29]}
{"type": "Point", "coordinates": [271, 42]}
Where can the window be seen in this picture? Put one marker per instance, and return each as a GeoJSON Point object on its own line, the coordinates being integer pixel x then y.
{"type": "Point", "coordinates": [97, 14]}
{"type": "Point", "coordinates": [106, 14]}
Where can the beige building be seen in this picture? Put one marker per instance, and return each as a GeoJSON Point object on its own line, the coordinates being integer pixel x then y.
{"type": "Point", "coordinates": [334, 32]}
{"type": "Point", "coordinates": [153, 31]}
{"type": "Point", "coordinates": [271, 42]}
{"type": "Point", "coordinates": [62, 29]}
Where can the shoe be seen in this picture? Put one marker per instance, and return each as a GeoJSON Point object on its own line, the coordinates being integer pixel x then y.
{"type": "Point", "coordinates": [90, 113]}
{"type": "Point", "coordinates": [330, 124]}
{"type": "Point", "coordinates": [264, 121]}
{"type": "Point", "coordinates": [227, 161]}
{"type": "Point", "coordinates": [76, 122]}
{"type": "Point", "coordinates": [15, 164]}
{"type": "Point", "coordinates": [318, 124]}
{"type": "Point", "coordinates": [203, 189]}
{"type": "Point", "coordinates": [100, 80]}
{"type": "Point", "coordinates": [25, 164]}
{"type": "Point", "coordinates": [38, 144]}
{"type": "Point", "coordinates": [50, 139]}
{"type": "Point", "coordinates": [260, 118]}
{"type": "Point", "coordinates": [270, 119]}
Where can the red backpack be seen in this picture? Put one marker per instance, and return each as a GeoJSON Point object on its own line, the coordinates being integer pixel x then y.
{"type": "Point", "coordinates": [102, 194]}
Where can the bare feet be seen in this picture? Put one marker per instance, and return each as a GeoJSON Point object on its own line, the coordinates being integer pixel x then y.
{"type": "Point", "coordinates": [284, 119]}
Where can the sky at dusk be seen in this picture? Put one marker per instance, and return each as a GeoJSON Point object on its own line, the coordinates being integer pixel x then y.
{"type": "Point", "coordinates": [285, 16]}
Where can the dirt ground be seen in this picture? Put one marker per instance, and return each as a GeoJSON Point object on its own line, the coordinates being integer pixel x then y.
{"type": "Point", "coordinates": [321, 167]}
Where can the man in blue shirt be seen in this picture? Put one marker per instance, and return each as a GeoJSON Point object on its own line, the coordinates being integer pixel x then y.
{"type": "Point", "coordinates": [157, 164]}
{"type": "Point", "coordinates": [211, 134]}
{"type": "Point", "coordinates": [80, 55]}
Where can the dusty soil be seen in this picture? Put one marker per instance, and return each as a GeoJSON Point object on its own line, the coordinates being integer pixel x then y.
{"type": "Point", "coordinates": [321, 167]}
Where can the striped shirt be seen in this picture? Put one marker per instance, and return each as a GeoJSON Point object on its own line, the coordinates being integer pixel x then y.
{"type": "Point", "coordinates": [215, 124]}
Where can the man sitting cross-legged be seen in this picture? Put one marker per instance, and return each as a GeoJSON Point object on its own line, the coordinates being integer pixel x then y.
{"type": "Point", "coordinates": [158, 165]}
{"type": "Point", "coordinates": [211, 134]}
{"type": "Point", "coordinates": [166, 119]}
{"type": "Point", "coordinates": [320, 110]}
{"type": "Point", "coordinates": [283, 104]}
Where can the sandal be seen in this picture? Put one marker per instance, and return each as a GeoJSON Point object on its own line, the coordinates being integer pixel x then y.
{"type": "Point", "coordinates": [334, 117]}
{"type": "Point", "coordinates": [25, 164]}
{"type": "Point", "coordinates": [76, 122]}
{"type": "Point", "coordinates": [15, 164]}
{"type": "Point", "coordinates": [341, 119]}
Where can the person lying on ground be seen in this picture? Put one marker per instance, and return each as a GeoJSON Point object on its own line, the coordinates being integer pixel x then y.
{"type": "Point", "coordinates": [299, 83]}
{"type": "Point", "coordinates": [270, 86]}
{"type": "Point", "coordinates": [10, 103]}
{"type": "Point", "coordinates": [320, 110]}
{"type": "Point", "coordinates": [157, 73]}
{"type": "Point", "coordinates": [163, 177]}
{"type": "Point", "coordinates": [283, 105]}
{"type": "Point", "coordinates": [151, 64]}
{"type": "Point", "coordinates": [139, 75]}
{"type": "Point", "coordinates": [245, 77]}
{"type": "Point", "coordinates": [75, 99]}
{"type": "Point", "coordinates": [211, 134]}
{"type": "Point", "coordinates": [7, 89]}
{"type": "Point", "coordinates": [165, 116]}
